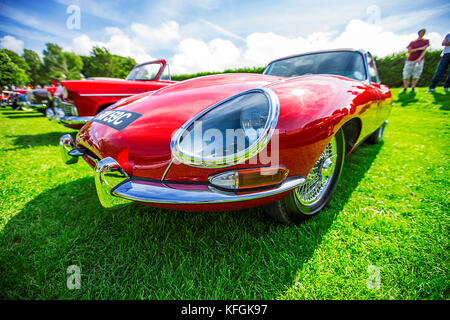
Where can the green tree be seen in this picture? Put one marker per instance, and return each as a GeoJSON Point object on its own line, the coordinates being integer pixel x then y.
{"type": "Point", "coordinates": [16, 59]}
{"type": "Point", "coordinates": [122, 66]}
{"type": "Point", "coordinates": [59, 64]}
{"type": "Point", "coordinates": [101, 63]}
{"type": "Point", "coordinates": [72, 65]}
{"type": "Point", "coordinates": [98, 63]}
{"type": "Point", "coordinates": [10, 73]}
{"type": "Point", "coordinates": [35, 65]}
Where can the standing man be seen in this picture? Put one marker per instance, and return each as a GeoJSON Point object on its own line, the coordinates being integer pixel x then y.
{"type": "Point", "coordinates": [414, 63]}
{"type": "Point", "coordinates": [442, 67]}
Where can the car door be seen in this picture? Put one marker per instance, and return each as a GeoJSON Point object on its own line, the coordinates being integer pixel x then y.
{"type": "Point", "coordinates": [382, 91]}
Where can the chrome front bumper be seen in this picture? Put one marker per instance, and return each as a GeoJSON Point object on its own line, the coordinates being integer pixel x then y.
{"type": "Point", "coordinates": [66, 114]}
{"type": "Point", "coordinates": [27, 104]}
{"type": "Point", "coordinates": [115, 187]}
{"type": "Point", "coordinates": [73, 121]}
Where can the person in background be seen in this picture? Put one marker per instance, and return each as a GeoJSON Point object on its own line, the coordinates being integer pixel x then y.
{"type": "Point", "coordinates": [414, 63]}
{"type": "Point", "coordinates": [442, 67]}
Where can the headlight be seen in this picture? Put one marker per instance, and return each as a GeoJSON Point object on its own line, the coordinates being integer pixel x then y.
{"type": "Point", "coordinates": [65, 93]}
{"type": "Point", "coordinates": [228, 132]}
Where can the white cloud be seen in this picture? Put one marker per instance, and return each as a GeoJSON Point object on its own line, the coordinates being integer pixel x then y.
{"type": "Point", "coordinates": [118, 43]}
{"type": "Point", "coordinates": [193, 55]}
{"type": "Point", "coordinates": [137, 41]}
{"type": "Point", "coordinates": [167, 33]}
{"type": "Point", "coordinates": [222, 30]}
{"type": "Point", "coordinates": [11, 43]}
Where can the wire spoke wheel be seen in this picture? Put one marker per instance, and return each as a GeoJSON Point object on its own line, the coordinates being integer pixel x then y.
{"type": "Point", "coordinates": [310, 197]}
{"type": "Point", "coordinates": [318, 180]}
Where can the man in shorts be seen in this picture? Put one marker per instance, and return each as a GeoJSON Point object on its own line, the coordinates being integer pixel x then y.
{"type": "Point", "coordinates": [414, 63]}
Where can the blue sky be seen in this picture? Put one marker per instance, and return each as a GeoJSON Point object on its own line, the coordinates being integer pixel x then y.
{"type": "Point", "coordinates": [201, 35]}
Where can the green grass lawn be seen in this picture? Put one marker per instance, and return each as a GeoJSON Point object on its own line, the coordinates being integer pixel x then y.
{"type": "Point", "coordinates": [390, 213]}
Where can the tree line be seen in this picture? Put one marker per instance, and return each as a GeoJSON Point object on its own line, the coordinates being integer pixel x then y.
{"type": "Point", "coordinates": [57, 64]}
{"type": "Point", "coordinates": [29, 68]}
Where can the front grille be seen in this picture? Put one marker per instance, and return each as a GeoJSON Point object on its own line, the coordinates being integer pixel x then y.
{"type": "Point", "coordinates": [67, 108]}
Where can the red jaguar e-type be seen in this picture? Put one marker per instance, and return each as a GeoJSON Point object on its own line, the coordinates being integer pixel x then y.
{"type": "Point", "coordinates": [234, 141]}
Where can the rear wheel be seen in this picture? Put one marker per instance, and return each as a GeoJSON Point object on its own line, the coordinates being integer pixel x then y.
{"type": "Point", "coordinates": [310, 197]}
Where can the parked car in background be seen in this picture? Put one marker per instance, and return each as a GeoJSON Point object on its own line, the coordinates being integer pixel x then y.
{"type": "Point", "coordinates": [40, 99]}
{"type": "Point", "coordinates": [13, 98]}
{"type": "Point", "coordinates": [4, 98]}
{"type": "Point", "coordinates": [290, 130]}
{"type": "Point", "coordinates": [78, 101]}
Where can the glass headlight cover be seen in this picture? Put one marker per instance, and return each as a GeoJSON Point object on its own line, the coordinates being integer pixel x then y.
{"type": "Point", "coordinates": [228, 132]}
{"type": "Point", "coordinates": [65, 94]}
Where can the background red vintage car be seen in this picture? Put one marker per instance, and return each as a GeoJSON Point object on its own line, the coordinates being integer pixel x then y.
{"type": "Point", "coordinates": [77, 101]}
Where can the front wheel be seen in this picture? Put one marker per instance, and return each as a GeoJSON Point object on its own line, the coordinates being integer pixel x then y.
{"type": "Point", "coordinates": [15, 106]}
{"type": "Point", "coordinates": [310, 197]}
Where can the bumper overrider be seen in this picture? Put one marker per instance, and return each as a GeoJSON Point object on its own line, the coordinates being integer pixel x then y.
{"type": "Point", "coordinates": [66, 114]}
{"type": "Point", "coordinates": [115, 187]}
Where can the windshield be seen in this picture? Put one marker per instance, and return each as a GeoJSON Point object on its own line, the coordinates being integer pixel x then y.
{"type": "Point", "coordinates": [342, 63]}
{"type": "Point", "coordinates": [147, 71]}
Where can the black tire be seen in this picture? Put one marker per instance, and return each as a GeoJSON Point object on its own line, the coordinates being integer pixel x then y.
{"type": "Point", "coordinates": [290, 210]}
{"type": "Point", "coordinates": [377, 136]}
{"type": "Point", "coordinates": [15, 106]}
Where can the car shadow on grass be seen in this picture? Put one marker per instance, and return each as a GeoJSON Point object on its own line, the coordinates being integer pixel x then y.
{"type": "Point", "coordinates": [25, 116]}
{"type": "Point", "coordinates": [139, 252]}
{"type": "Point", "coordinates": [15, 113]}
{"type": "Point", "coordinates": [36, 140]}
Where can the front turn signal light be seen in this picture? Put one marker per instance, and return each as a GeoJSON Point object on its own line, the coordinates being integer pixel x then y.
{"type": "Point", "coordinates": [249, 178]}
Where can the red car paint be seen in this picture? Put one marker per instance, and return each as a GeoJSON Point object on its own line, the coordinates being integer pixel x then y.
{"type": "Point", "coordinates": [312, 109]}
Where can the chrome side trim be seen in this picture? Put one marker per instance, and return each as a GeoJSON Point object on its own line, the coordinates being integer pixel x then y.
{"type": "Point", "coordinates": [142, 191]}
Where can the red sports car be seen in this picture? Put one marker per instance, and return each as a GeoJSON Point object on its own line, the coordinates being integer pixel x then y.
{"type": "Point", "coordinates": [234, 141]}
{"type": "Point", "coordinates": [77, 101]}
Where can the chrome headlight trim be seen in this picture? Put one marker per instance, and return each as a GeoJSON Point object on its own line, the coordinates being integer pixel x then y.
{"type": "Point", "coordinates": [65, 93]}
{"type": "Point", "coordinates": [231, 160]}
